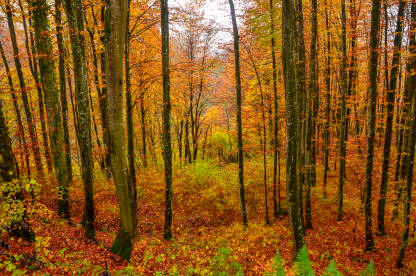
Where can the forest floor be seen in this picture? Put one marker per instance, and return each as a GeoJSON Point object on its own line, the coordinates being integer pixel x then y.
{"type": "Point", "coordinates": [206, 218]}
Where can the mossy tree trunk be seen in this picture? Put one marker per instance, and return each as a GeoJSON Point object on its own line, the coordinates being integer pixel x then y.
{"type": "Point", "coordinates": [40, 11]}
{"type": "Point", "coordinates": [62, 85]}
{"type": "Point", "coordinates": [115, 30]}
{"type": "Point", "coordinates": [74, 14]}
{"type": "Point", "coordinates": [292, 122]}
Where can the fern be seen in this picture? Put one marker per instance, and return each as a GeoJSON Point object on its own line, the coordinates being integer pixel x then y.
{"type": "Point", "coordinates": [277, 266]}
{"type": "Point", "coordinates": [370, 270]}
{"type": "Point", "coordinates": [303, 265]}
{"type": "Point", "coordinates": [332, 270]}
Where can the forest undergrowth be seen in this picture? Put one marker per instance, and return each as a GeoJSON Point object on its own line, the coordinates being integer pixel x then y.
{"type": "Point", "coordinates": [207, 222]}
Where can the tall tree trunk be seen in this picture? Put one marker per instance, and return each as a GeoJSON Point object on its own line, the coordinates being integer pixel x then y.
{"type": "Point", "coordinates": [411, 85]}
{"type": "Point", "coordinates": [103, 100]}
{"type": "Point", "coordinates": [328, 99]}
{"type": "Point", "coordinates": [372, 91]}
{"type": "Point", "coordinates": [129, 114]}
{"type": "Point", "coordinates": [309, 160]}
{"type": "Point", "coordinates": [33, 65]}
{"type": "Point", "coordinates": [276, 205]}
{"type": "Point", "coordinates": [48, 79]}
{"type": "Point", "coordinates": [301, 97]}
{"type": "Point", "coordinates": [74, 14]}
{"type": "Point", "coordinates": [167, 150]}
{"type": "Point", "coordinates": [264, 134]}
{"type": "Point", "coordinates": [28, 113]}
{"type": "Point", "coordinates": [391, 94]}
{"type": "Point", "coordinates": [115, 29]}
{"type": "Point", "coordinates": [292, 136]}
{"type": "Point", "coordinates": [239, 121]}
{"type": "Point", "coordinates": [62, 86]}
{"type": "Point", "coordinates": [343, 127]}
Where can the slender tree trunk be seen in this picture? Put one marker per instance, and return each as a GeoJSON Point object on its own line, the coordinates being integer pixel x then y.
{"type": "Point", "coordinates": [143, 125]}
{"type": "Point", "coordinates": [276, 156]}
{"type": "Point", "coordinates": [372, 91]}
{"type": "Point", "coordinates": [239, 121]}
{"type": "Point", "coordinates": [167, 150]}
{"type": "Point", "coordinates": [33, 65]}
{"type": "Point", "coordinates": [391, 93]}
{"type": "Point", "coordinates": [343, 127]}
{"type": "Point", "coordinates": [309, 160]}
{"type": "Point", "coordinates": [129, 114]}
{"type": "Point", "coordinates": [264, 134]}
{"type": "Point", "coordinates": [328, 99]}
{"type": "Point", "coordinates": [301, 97]}
{"type": "Point", "coordinates": [74, 13]}
{"type": "Point", "coordinates": [47, 70]}
{"type": "Point", "coordinates": [28, 113]}
{"type": "Point", "coordinates": [292, 136]}
{"type": "Point", "coordinates": [62, 86]}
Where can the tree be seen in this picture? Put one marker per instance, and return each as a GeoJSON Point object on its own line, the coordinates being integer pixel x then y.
{"type": "Point", "coordinates": [343, 127]}
{"type": "Point", "coordinates": [391, 93]}
{"type": "Point", "coordinates": [40, 10]}
{"type": "Point", "coordinates": [239, 121]}
{"type": "Point", "coordinates": [62, 85]}
{"type": "Point", "coordinates": [167, 147]}
{"type": "Point", "coordinates": [372, 91]}
{"type": "Point", "coordinates": [292, 134]}
{"type": "Point", "coordinates": [411, 85]}
{"type": "Point", "coordinates": [115, 30]}
{"type": "Point", "coordinates": [74, 13]}
{"type": "Point", "coordinates": [28, 113]}
{"type": "Point", "coordinates": [309, 145]}
{"type": "Point", "coordinates": [276, 155]}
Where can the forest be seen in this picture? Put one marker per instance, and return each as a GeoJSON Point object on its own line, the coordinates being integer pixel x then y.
{"type": "Point", "coordinates": [207, 137]}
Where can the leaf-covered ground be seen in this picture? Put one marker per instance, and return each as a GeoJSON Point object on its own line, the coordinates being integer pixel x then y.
{"type": "Point", "coordinates": [206, 217]}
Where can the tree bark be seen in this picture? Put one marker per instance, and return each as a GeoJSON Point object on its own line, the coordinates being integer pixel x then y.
{"type": "Point", "coordinates": [343, 127]}
{"type": "Point", "coordinates": [48, 79]}
{"type": "Point", "coordinates": [372, 91]}
{"type": "Point", "coordinates": [62, 86]}
{"type": "Point", "coordinates": [292, 119]}
{"type": "Point", "coordinates": [167, 147]}
{"type": "Point", "coordinates": [74, 13]}
{"type": "Point", "coordinates": [391, 94]}
{"type": "Point", "coordinates": [115, 29]}
{"type": "Point", "coordinates": [239, 121]}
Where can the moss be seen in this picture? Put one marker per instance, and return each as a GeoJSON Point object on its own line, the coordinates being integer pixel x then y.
{"type": "Point", "coordinates": [122, 245]}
